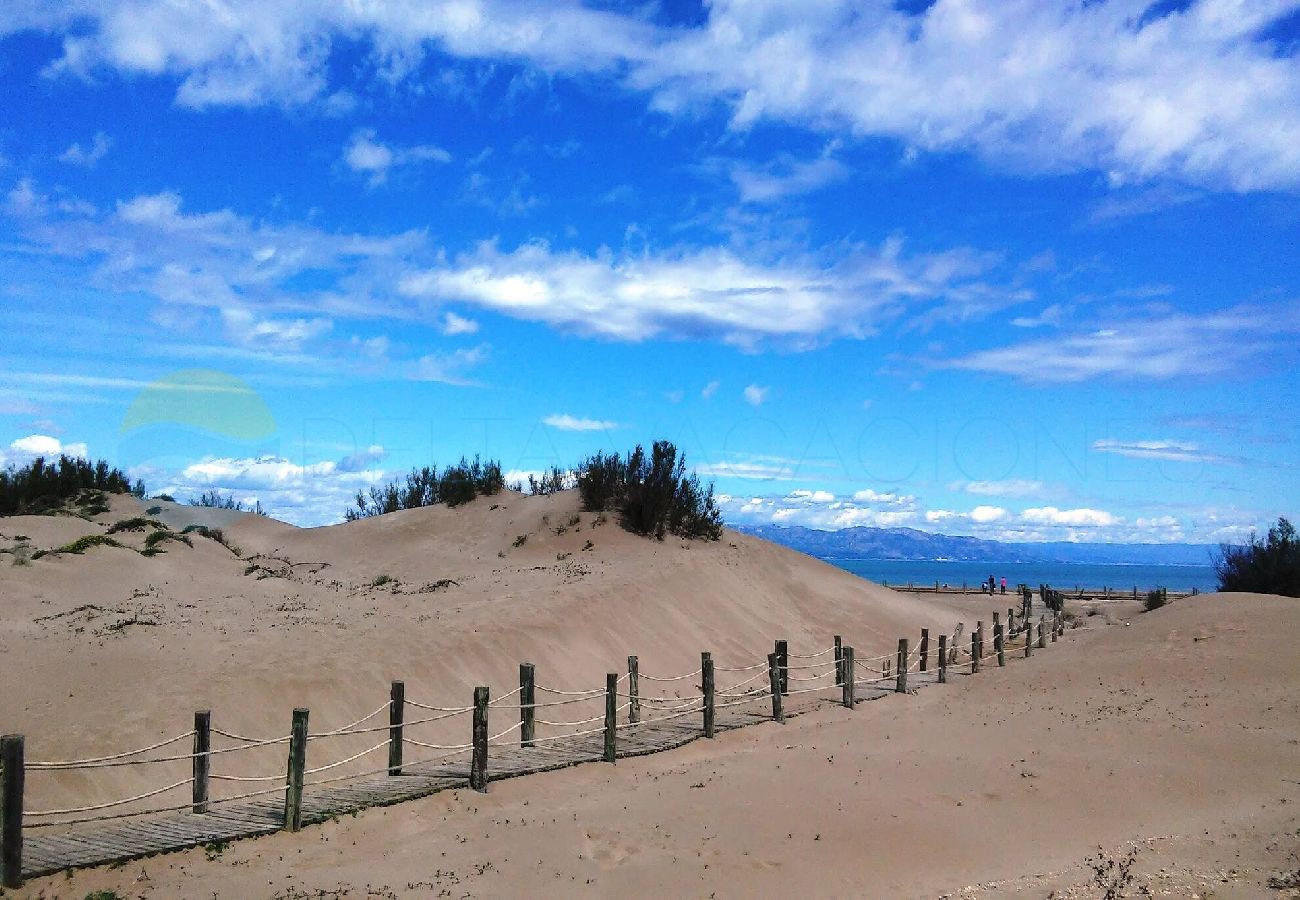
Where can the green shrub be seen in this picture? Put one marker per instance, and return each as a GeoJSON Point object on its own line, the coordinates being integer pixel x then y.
{"type": "Point", "coordinates": [653, 494]}
{"type": "Point", "coordinates": [520, 540]}
{"type": "Point", "coordinates": [138, 523]}
{"type": "Point", "coordinates": [82, 544]}
{"type": "Point", "coordinates": [161, 537]}
{"type": "Point", "coordinates": [215, 500]}
{"type": "Point", "coordinates": [421, 487]}
{"type": "Point", "coordinates": [1156, 599]}
{"type": "Point", "coordinates": [552, 481]}
{"type": "Point", "coordinates": [1268, 566]}
{"type": "Point", "coordinates": [381, 580]}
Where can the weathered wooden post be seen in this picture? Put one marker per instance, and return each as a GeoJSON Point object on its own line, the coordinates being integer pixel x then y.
{"type": "Point", "coordinates": [396, 716]}
{"type": "Point", "coordinates": [943, 659]}
{"type": "Point", "coordinates": [839, 660]}
{"type": "Point", "coordinates": [1029, 638]}
{"type": "Point", "coordinates": [297, 766]}
{"type": "Point", "coordinates": [846, 669]}
{"type": "Point", "coordinates": [527, 704]}
{"type": "Point", "coordinates": [479, 757]}
{"type": "Point", "coordinates": [974, 652]}
{"type": "Point", "coordinates": [633, 689]}
{"type": "Point", "coordinates": [11, 810]}
{"type": "Point", "coordinates": [783, 658]}
{"type": "Point", "coordinates": [202, 759]}
{"type": "Point", "coordinates": [900, 684]}
{"type": "Point", "coordinates": [1056, 626]}
{"type": "Point", "coordinates": [1042, 632]}
{"type": "Point", "coordinates": [979, 633]}
{"type": "Point", "coordinates": [611, 716]}
{"type": "Point", "coordinates": [925, 649]}
{"type": "Point", "coordinates": [706, 669]}
{"type": "Point", "coordinates": [997, 643]}
{"type": "Point", "coordinates": [774, 680]}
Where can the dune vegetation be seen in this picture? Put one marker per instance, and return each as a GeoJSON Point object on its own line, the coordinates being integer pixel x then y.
{"type": "Point", "coordinates": [44, 488]}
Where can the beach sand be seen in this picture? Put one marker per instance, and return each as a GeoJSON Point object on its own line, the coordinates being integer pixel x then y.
{"type": "Point", "coordinates": [1172, 735]}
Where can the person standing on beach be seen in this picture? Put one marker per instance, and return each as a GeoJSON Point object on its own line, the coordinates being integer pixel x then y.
{"type": "Point", "coordinates": [1004, 584]}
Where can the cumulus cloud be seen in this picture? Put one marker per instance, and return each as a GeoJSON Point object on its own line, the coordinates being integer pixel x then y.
{"type": "Point", "coordinates": [25, 449]}
{"type": "Point", "coordinates": [1013, 487]}
{"type": "Point", "coordinates": [755, 395]}
{"type": "Point", "coordinates": [566, 422]}
{"type": "Point", "coordinates": [450, 367]}
{"type": "Point", "coordinates": [710, 389]}
{"type": "Point", "coordinates": [1076, 518]}
{"type": "Point", "coordinates": [87, 157]}
{"type": "Point", "coordinates": [786, 177]}
{"type": "Point", "coordinates": [1112, 87]}
{"type": "Point", "coordinates": [453, 324]}
{"type": "Point", "coordinates": [367, 155]}
{"type": "Point", "coordinates": [301, 493]}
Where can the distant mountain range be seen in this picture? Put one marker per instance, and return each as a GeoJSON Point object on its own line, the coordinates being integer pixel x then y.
{"type": "Point", "coordinates": [908, 543]}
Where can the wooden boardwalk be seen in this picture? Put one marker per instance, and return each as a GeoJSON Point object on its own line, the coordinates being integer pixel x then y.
{"type": "Point", "coordinates": [48, 850]}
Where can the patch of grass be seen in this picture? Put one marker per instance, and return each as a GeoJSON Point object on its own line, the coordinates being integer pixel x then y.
{"type": "Point", "coordinates": [103, 895]}
{"type": "Point", "coordinates": [213, 849]}
{"type": "Point", "coordinates": [381, 580]}
{"type": "Point", "coordinates": [82, 544]}
{"type": "Point", "coordinates": [153, 511]}
{"type": "Point", "coordinates": [163, 536]}
{"type": "Point", "coordinates": [138, 523]}
{"type": "Point", "coordinates": [168, 497]}
{"type": "Point", "coordinates": [520, 540]}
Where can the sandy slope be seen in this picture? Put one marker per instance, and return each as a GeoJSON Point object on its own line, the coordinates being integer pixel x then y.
{"type": "Point", "coordinates": [110, 650]}
{"type": "Point", "coordinates": [1175, 738]}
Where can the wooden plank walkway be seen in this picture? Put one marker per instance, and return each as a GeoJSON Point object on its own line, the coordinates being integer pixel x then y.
{"type": "Point", "coordinates": [48, 850]}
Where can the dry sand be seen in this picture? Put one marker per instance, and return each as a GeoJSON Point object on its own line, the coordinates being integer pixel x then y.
{"type": "Point", "coordinates": [1177, 737]}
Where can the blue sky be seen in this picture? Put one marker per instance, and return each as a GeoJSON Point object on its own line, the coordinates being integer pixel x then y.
{"type": "Point", "coordinates": [1023, 270]}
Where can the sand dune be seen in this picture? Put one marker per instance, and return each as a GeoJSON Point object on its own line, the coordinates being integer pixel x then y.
{"type": "Point", "coordinates": [112, 650]}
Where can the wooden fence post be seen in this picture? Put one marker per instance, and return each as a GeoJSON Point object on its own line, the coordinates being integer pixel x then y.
{"type": "Point", "coordinates": [527, 704]}
{"type": "Point", "coordinates": [479, 760]}
{"type": "Point", "coordinates": [774, 681]}
{"type": "Point", "coordinates": [1029, 638]}
{"type": "Point", "coordinates": [1056, 626]}
{"type": "Point", "coordinates": [998, 643]}
{"type": "Point", "coordinates": [706, 669]}
{"type": "Point", "coordinates": [943, 659]}
{"type": "Point", "coordinates": [11, 810]}
{"type": "Point", "coordinates": [979, 633]}
{"type": "Point", "coordinates": [846, 666]}
{"type": "Point", "coordinates": [1042, 632]}
{"type": "Point", "coordinates": [901, 684]}
{"type": "Point", "coordinates": [634, 689]}
{"type": "Point", "coordinates": [974, 652]}
{"type": "Point", "coordinates": [297, 765]}
{"type": "Point", "coordinates": [925, 649]}
{"type": "Point", "coordinates": [396, 716]}
{"type": "Point", "coordinates": [783, 658]}
{"type": "Point", "coordinates": [611, 716]}
{"type": "Point", "coordinates": [202, 758]}
{"type": "Point", "coordinates": [839, 660]}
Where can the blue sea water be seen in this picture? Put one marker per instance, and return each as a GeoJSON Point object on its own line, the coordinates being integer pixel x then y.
{"type": "Point", "coordinates": [1062, 576]}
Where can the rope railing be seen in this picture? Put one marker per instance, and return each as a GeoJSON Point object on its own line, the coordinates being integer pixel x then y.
{"type": "Point", "coordinates": [99, 761]}
{"type": "Point", "coordinates": [811, 673]}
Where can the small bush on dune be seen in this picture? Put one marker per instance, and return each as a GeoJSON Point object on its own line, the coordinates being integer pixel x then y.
{"type": "Point", "coordinates": [138, 523]}
{"type": "Point", "coordinates": [1267, 566]}
{"type": "Point", "coordinates": [552, 481]}
{"type": "Point", "coordinates": [161, 537]}
{"type": "Point", "coordinates": [82, 544]}
{"type": "Point", "coordinates": [652, 493]}
{"type": "Point", "coordinates": [214, 499]}
{"type": "Point", "coordinates": [1156, 599]}
{"type": "Point", "coordinates": [456, 485]}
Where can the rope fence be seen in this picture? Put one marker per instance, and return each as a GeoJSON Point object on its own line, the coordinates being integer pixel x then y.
{"type": "Point", "coordinates": [781, 676]}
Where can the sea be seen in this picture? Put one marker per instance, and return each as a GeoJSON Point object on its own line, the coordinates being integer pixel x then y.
{"type": "Point", "coordinates": [1062, 576]}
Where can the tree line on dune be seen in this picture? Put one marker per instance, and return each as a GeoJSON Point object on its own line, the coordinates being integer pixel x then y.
{"type": "Point", "coordinates": [1268, 565]}
{"type": "Point", "coordinates": [651, 493]}
{"type": "Point", "coordinates": [41, 487]}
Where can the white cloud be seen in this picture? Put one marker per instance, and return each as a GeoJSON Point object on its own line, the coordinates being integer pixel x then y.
{"type": "Point", "coordinates": [22, 451]}
{"type": "Point", "coordinates": [983, 515]}
{"type": "Point", "coordinates": [755, 395]}
{"type": "Point", "coordinates": [1014, 487]}
{"type": "Point", "coordinates": [87, 157]}
{"type": "Point", "coordinates": [867, 495]}
{"type": "Point", "coordinates": [367, 155]}
{"type": "Point", "coordinates": [1164, 450]}
{"type": "Point", "coordinates": [786, 177]}
{"type": "Point", "coordinates": [246, 328]}
{"type": "Point", "coordinates": [1025, 84]}
{"type": "Point", "coordinates": [1052, 316]}
{"type": "Point", "coordinates": [1083, 517]}
{"type": "Point", "coordinates": [453, 324]}
{"type": "Point", "coordinates": [449, 368]}
{"type": "Point", "coordinates": [1144, 349]}
{"type": "Point", "coordinates": [710, 389]}
{"type": "Point", "coordinates": [566, 422]}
